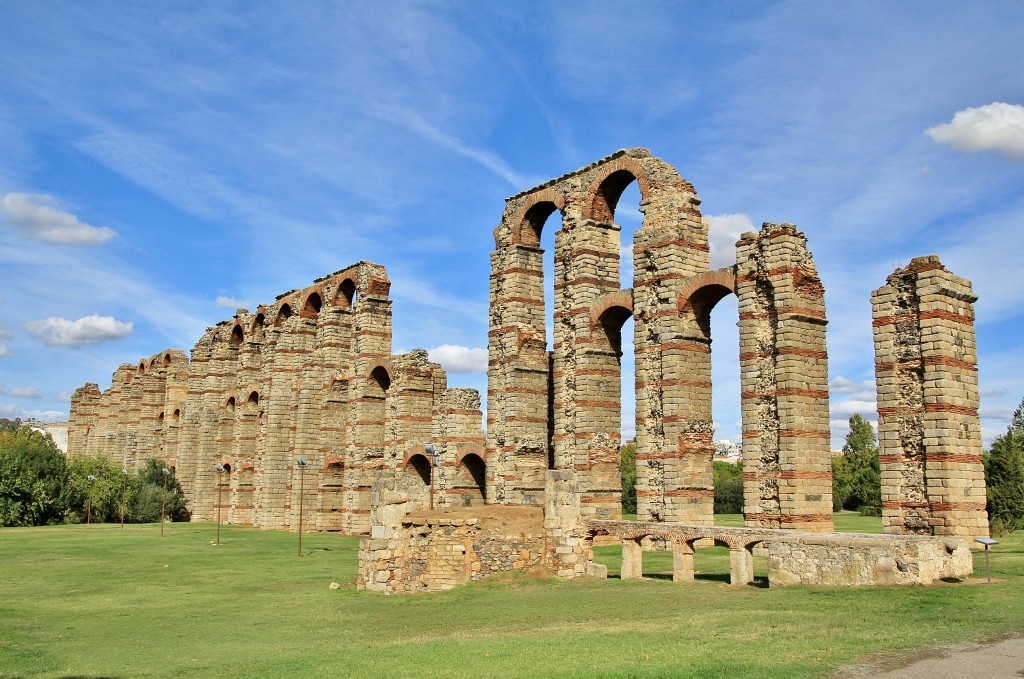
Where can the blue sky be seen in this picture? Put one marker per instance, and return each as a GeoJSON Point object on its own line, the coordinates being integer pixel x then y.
{"type": "Point", "coordinates": [163, 163]}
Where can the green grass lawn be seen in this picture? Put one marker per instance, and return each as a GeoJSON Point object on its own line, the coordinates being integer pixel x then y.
{"type": "Point", "coordinates": [92, 601]}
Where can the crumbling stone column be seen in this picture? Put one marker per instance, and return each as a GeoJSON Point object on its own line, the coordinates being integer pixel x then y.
{"type": "Point", "coordinates": [933, 482]}
{"type": "Point", "coordinates": [784, 381]}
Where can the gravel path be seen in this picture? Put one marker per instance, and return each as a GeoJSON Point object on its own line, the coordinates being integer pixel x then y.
{"type": "Point", "coordinates": [997, 659]}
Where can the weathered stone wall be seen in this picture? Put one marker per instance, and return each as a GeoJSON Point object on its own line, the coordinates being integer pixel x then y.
{"type": "Point", "coordinates": [430, 552]}
{"type": "Point", "coordinates": [309, 376]}
{"type": "Point", "coordinates": [933, 482]}
{"type": "Point", "coordinates": [795, 557]}
{"type": "Point", "coordinates": [562, 410]}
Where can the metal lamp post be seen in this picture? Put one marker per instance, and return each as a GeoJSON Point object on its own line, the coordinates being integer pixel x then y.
{"type": "Point", "coordinates": [124, 493]}
{"type": "Point", "coordinates": [301, 461]}
{"type": "Point", "coordinates": [220, 470]}
{"type": "Point", "coordinates": [88, 503]}
{"type": "Point", "coordinates": [163, 501]}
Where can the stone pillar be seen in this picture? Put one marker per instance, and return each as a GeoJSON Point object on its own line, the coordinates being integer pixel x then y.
{"type": "Point", "coordinates": [784, 381]}
{"type": "Point", "coordinates": [682, 562]}
{"type": "Point", "coordinates": [933, 481]}
{"type": "Point", "coordinates": [632, 560]}
{"type": "Point", "coordinates": [518, 375]}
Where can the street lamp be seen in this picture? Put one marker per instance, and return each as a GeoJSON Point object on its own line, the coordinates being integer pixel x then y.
{"type": "Point", "coordinates": [88, 504]}
{"type": "Point", "coordinates": [124, 493]}
{"type": "Point", "coordinates": [220, 470]}
{"type": "Point", "coordinates": [163, 501]}
{"type": "Point", "coordinates": [301, 461]}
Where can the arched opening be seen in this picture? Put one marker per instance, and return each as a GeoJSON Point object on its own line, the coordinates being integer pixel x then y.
{"type": "Point", "coordinates": [167, 360]}
{"type": "Point", "coordinates": [230, 403]}
{"type": "Point", "coordinates": [473, 471]}
{"type": "Point", "coordinates": [254, 398]}
{"type": "Point", "coordinates": [161, 418]}
{"type": "Point", "coordinates": [283, 314]}
{"type": "Point", "coordinates": [418, 467]}
{"type": "Point", "coordinates": [312, 306]}
{"type": "Point", "coordinates": [227, 467]}
{"type": "Point", "coordinates": [346, 297]}
{"type": "Point", "coordinates": [258, 324]}
{"type": "Point", "coordinates": [142, 368]}
{"type": "Point", "coordinates": [380, 377]}
{"type": "Point", "coordinates": [177, 414]}
{"type": "Point", "coordinates": [237, 337]}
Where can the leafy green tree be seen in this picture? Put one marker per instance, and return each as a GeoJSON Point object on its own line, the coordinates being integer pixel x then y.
{"type": "Point", "coordinates": [1004, 474]}
{"type": "Point", "coordinates": [856, 474]}
{"type": "Point", "coordinates": [627, 469]}
{"type": "Point", "coordinates": [32, 474]}
{"type": "Point", "coordinates": [728, 479]}
{"type": "Point", "coordinates": [150, 493]}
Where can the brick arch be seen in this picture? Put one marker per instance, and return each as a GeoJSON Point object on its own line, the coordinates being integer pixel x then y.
{"type": "Point", "coordinates": [700, 294]}
{"type": "Point", "coordinates": [345, 295]}
{"type": "Point", "coordinates": [284, 312]}
{"type": "Point", "coordinates": [605, 190]}
{"type": "Point", "coordinates": [413, 451]}
{"type": "Point", "coordinates": [312, 304]}
{"type": "Point", "coordinates": [237, 334]}
{"type": "Point", "coordinates": [470, 449]}
{"type": "Point", "coordinates": [620, 299]}
{"type": "Point", "coordinates": [142, 368]}
{"type": "Point", "coordinates": [530, 218]}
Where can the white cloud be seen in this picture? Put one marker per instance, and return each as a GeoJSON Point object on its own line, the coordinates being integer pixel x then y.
{"type": "Point", "coordinates": [11, 411]}
{"type": "Point", "coordinates": [456, 359]}
{"type": "Point", "coordinates": [723, 232]}
{"type": "Point", "coordinates": [845, 409]}
{"type": "Point", "coordinates": [231, 302]}
{"type": "Point", "coordinates": [63, 396]}
{"type": "Point", "coordinates": [5, 332]}
{"type": "Point", "coordinates": [859, 391]}
{"type": "Point", "coordinates": [25, 392]}
{"type": "Point", "coordinates": [92, 329]}
{"type": "Point", "coordinates": [995, 127]}
{"type": "Point", "coordinates": [40, 217]}
{"type": "Point", "coordinates": [5, 350]}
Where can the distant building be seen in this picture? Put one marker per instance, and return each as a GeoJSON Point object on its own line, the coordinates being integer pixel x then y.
{"type": "Point", "coordinates": [727, 451]}
{"type": "Point", "coordinates": [58, 431]}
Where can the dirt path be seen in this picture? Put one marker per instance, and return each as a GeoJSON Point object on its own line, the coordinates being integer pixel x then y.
{"type": "Point", "coordinates": [1001, 658]}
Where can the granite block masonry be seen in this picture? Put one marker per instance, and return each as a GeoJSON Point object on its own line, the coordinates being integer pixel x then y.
{"type": "Point", "coordinates": [312, 375]}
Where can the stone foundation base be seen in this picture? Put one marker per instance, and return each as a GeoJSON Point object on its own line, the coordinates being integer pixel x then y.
{"type": "Point", "coordinates": [434, 551]}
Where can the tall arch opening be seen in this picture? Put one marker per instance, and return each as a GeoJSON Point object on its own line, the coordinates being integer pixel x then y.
{"type": "Point", "coordinates": [283, 314]}
{"type": "Point", "coordinates": [473, 477]}
{"type": "Point", "coordinates": [237, 337]}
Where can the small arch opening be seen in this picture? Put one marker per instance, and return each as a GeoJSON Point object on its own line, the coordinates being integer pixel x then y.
{"type": "Point", "coordinates": [347, 294]}
{"type": "Point", "coordinates": [142, 368]}
{"type": "Point", "coordinates": [167, 360]}
{"type": "Point", "coordinates": [254, 398]}
{"type": "Point", "coordinates": [177, 414]}
{"type": "Point", "coordinates": [312, 306]}
{"type": "Point", "coordinates": [418, 466]}
{"type": "Point", "coordinates": [237, 337]}
{"type": "Point", "coordinates": [283, 314]}
{"type": "Point", "coordinates": [380, 377]}
{"type": "Point", "coordinates": [230, 403]}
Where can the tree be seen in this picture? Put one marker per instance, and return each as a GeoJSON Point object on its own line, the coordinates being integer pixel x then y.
{"type": "Point", "coordinates": [32, 474]}
{"type": "Point", "coordinates": [627, 469]}
{"type": "Point", "coordinates": [1004, 474]}
{"type": "Point", "coordinates": [856, 474]}
{"type": "Point", "coordinates": [728, 479]}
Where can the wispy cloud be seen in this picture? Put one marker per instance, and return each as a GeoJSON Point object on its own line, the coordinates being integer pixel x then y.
{"type": "Point", "coordinates": [93, 329]}
{"type": "Point", "coordinates": [25, 392]}
{"type": "Point", "coordinates": [40, 216]}
{"type": "Point", "coordinates": [723, 232]}
{"type": "Point", "coordinates": [231, 302]}
{"type": "Point", "coordinates": [995, 127]}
